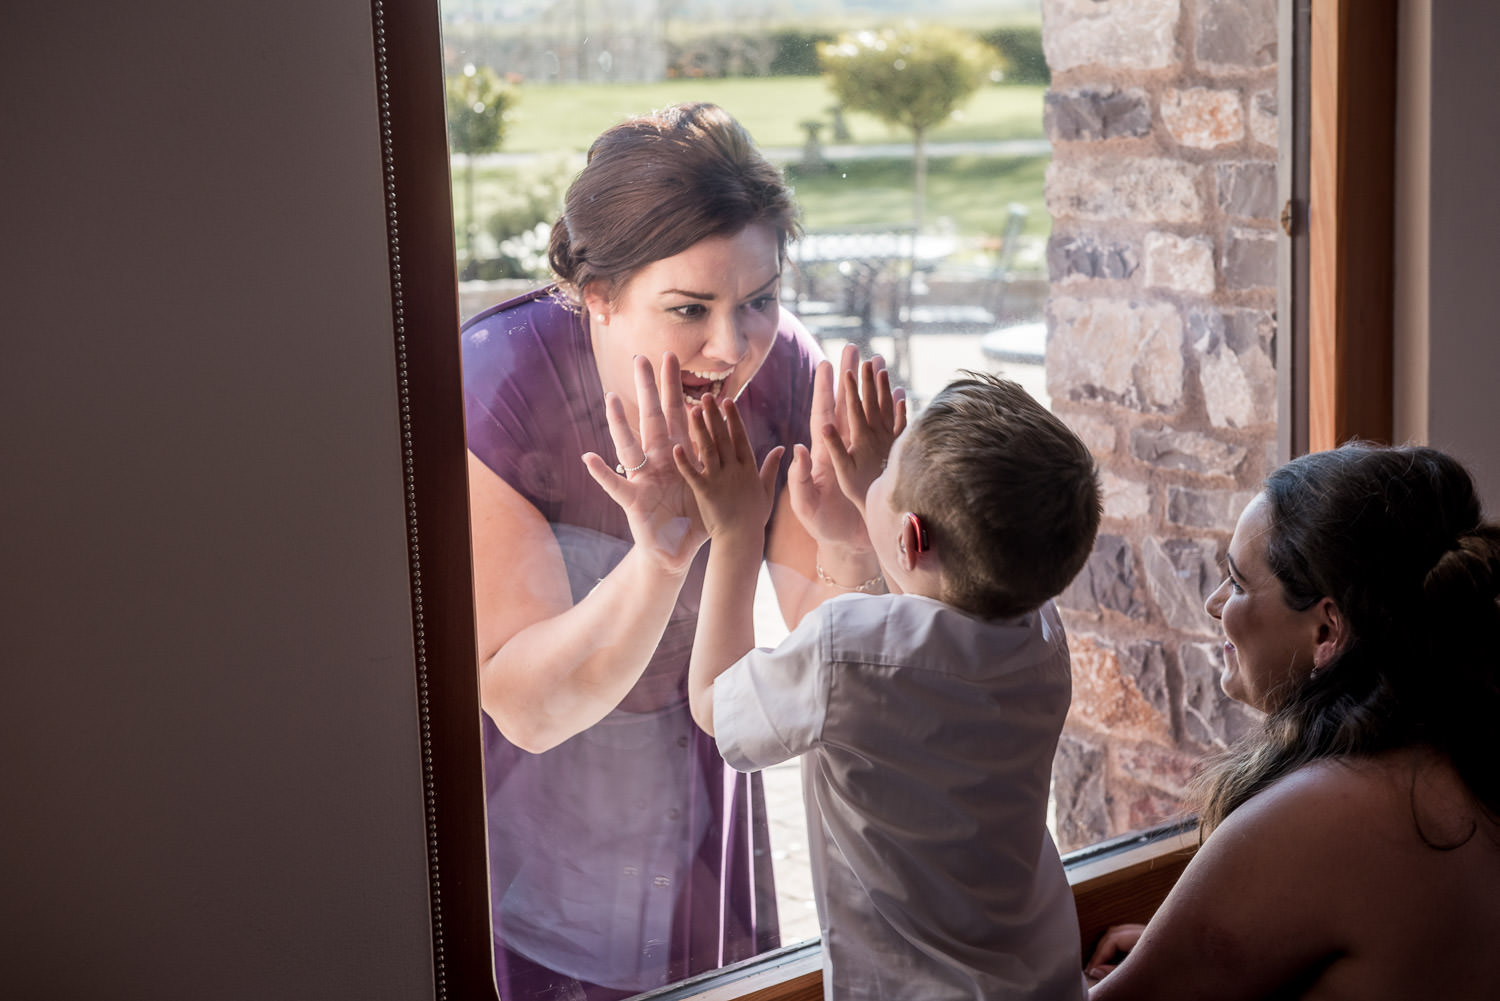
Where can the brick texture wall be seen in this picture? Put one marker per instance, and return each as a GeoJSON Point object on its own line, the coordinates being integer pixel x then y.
{"type": "Point", "coordinates": [1161, 315]}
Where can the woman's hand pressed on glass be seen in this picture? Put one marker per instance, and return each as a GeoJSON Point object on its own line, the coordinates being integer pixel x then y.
{"type": "Point", "coordinates": [551, 667]}
{"type": "Point", "coordinates": [657, 502]}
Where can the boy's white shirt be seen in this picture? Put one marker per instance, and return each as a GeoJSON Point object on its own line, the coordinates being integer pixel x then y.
{"type": "Point", "coordinates": [927, 738]}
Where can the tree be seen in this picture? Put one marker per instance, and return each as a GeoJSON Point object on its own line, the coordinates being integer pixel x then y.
{"type": "Point", "coordinates": [912, 76]}
{"type": "Point", "coordinates": [477, 102]}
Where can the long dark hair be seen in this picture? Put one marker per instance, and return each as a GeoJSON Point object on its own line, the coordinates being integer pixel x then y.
{"type": "Point", "coordinates": [1395, 537]}
{"type": "Point", "coordinates": [657, 184]}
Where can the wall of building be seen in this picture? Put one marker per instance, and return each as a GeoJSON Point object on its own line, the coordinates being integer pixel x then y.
{"type": "Point", "coordinates": [1462, 218]}
{"type": "Point", "coordinates": [1162, 189]}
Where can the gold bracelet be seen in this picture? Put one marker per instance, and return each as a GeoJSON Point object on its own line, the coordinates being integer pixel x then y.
{"type": "Point", "coordinates": [865, 587]}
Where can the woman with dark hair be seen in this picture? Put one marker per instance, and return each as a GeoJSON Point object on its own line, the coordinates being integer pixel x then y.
{"type": "Point", "coordinates": [1351, 847]}
{"type": "Point", "coordinates": [623, 853]}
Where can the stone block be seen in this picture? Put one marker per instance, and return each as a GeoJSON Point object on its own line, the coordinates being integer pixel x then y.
{"type": "Point", "coordinates": [1094, 115]}
{"type": "Point", "coordinates": [1235, 35]}
{"type": "Point", "coordinates": [1106, 698]}
{"type": "Point", "coordinates": [1141, 189]}
{"type": "Point", "coordinates": [1248, 190]}
{"type": "Point", "coordinates": [1169, 769]}
{"type": "Point", "coordinates": [1077, 258]}
{"type": "Point", "coordinates": [1127, 499]}
{"type": "Point", "coordinates": [1145, 664]}
{"type": "Point", "coordinates": [1119, 352]}
{"type": "Point", "coordinates": [1183, 263]}
{"type": "Point", "coordinates": [1146, 808]}
{"type": "Point", "coordinates": [1211, 719]}
{"type": "Point", "coordinates": [1250, 259]}
{"type": "Point", "coordinates": [1120, 34]}
{"type": "Point", "coordinates": [1098, 433]}
{"type": "Point", "coordinates": [1235, 365]}
{"type": "Point", "coordinates": [1186, 450]}
{"type": "Point", "coordinates": [1079, 794]}
{"type": "Point", "coordinates": [1202, 118]}
{"type": "Point", "coordinates": [1107, 580]}
{"type": "Point", "coordinates": [1216, 510]}
{"type": "Point", "coordinates": [1263, 123]}
{"type": "Point", "coordinates": [1180, 575]}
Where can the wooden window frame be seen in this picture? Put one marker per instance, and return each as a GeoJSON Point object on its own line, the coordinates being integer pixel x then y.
{"type": "Point", "coordinates": [1351, 221]}
{"type": "Point", "coordinates": [1345, 267]}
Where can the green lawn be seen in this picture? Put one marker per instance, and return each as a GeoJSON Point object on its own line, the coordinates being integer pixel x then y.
{"type": "Point", "coordinates": [969, 193]}
{"type": "Point", "coordinates": [554, 117]}
{"type": "Point", "coordinates": [972, 193]}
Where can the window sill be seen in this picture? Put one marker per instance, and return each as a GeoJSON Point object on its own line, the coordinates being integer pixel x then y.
{"type": "Point", "coordinates": [1119, 881]}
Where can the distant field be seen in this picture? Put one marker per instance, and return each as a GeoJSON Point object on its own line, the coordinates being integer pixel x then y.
{"type": "Point", "coordinates": [969, 193]}
{"type": "Point", "coordinates": [550, 118]}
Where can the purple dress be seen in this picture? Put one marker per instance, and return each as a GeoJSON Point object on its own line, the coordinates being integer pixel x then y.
{"type": "Point", "coordinates": [629, 856]}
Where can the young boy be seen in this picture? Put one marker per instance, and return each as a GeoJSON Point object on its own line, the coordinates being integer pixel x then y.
{"type": "Point", "coordinates": [926, 718]}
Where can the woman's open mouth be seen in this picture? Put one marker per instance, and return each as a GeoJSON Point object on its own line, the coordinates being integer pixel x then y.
{"type": "Point", "coordinates": [695, 385]}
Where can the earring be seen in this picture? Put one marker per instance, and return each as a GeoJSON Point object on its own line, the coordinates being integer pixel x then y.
{"type": "Point", "coordinates": [600, 319]}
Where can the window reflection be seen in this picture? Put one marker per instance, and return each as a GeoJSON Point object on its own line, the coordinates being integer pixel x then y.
{"type": "Point", "coordinates": [966, 291]}
{"type": "Point", "coordinates": [853, 177]}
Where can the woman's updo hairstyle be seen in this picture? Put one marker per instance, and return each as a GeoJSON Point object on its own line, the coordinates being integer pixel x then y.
{"type": "Point", "coordinates": [656, 185]}
{"type": "Point", "coordinates": [1395, 537]}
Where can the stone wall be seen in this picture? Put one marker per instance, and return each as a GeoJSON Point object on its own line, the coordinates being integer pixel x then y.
{"type": "Point", "coordinates": [1161, 315]}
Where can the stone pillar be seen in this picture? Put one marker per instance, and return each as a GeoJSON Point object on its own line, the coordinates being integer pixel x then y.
{"type": "Point", "coordinates": [1161, 317]}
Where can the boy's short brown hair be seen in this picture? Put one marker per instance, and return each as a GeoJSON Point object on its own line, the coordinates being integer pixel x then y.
{"type": "Point", "coordinates": [1007, 492]}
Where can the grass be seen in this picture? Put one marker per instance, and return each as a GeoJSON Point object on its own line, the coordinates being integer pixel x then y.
{"type": "Point", "coordinates": [969, 193]}
{"type": "Point", "coordinates": [973, 193]}
{"type": "Point", "coordinates": [549, 118]}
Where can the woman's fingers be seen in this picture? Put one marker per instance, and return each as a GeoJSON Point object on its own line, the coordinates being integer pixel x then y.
{"type": "Point", "coordinates": [1115, 943]}
{"type": "Point", "coordinates": [615, 485]}
{"type": "Point", "coordinates": [653, 422]}
{"type": "Point", "coordinates": [629, 450]}
{"type": "Point", "coordinates": [673, 403]}
{"type": "Point", "coordinates": [768, 470]}
{"type": "Point", "coordinates": [848, 364]}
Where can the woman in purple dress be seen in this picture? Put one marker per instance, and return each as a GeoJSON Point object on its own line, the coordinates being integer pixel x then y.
{"type": "Point", "coordinates": [623, 853]}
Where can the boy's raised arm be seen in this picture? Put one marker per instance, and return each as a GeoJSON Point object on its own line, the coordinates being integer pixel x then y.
{"type": "Point", "coordinates": [735, 501]}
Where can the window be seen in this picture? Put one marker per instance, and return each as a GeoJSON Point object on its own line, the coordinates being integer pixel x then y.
{"type": "Point", "coordinates": [1098, 281]}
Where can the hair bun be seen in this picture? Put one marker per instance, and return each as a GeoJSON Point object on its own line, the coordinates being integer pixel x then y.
{"type": "Point", "coordinates": [1468, 573]}
{"type": "Point", "coordinates": [560, 254]}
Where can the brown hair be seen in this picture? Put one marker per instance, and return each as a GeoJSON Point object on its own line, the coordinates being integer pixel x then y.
{"type": "Point", "coordinates": [1008, 494]}
{"type": "Point", "coordinates": [1394, 535]}
{"type": "Point", "coordinates": [657, 184]}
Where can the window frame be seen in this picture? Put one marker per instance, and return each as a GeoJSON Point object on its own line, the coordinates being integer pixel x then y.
{"type": "Point", "coordinates": [1344, 269]}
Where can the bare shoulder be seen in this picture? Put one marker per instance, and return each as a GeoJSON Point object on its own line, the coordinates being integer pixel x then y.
{"type": "Point", "coordinates": [1402, 802]}
{"type": "Point", "coordinates": [1327, 884]}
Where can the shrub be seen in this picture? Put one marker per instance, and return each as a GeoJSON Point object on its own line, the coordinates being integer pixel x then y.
{"type": "Point", "coordinates": [1021, 49]}
{"type": "Point", "coordinates": [797, 52]}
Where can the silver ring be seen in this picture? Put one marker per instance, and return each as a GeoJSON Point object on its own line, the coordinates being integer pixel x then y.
{"type": "Point", "coordinates": [623, 471]}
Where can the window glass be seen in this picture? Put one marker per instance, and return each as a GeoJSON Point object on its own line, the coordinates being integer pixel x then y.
{"type": "Point", "coordinates": [969, 274]}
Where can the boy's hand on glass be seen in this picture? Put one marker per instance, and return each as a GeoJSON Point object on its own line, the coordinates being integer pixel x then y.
{"type": "Point", "coordinates": [873, 415]}
{"type": "Point", "coordinates": [731, 492]}
{"type": "Point", "coordinates": [828, 513]}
